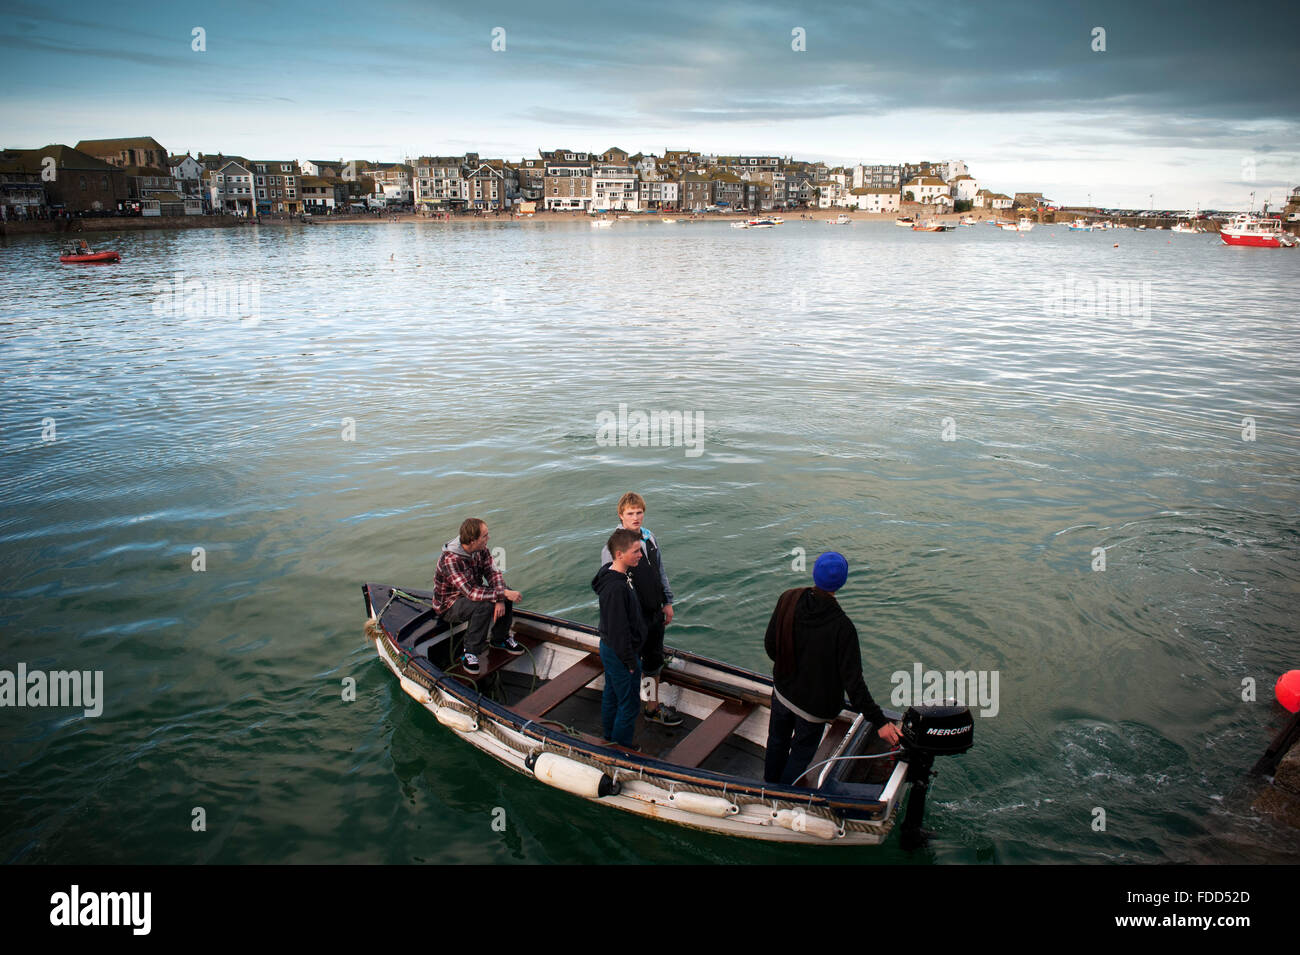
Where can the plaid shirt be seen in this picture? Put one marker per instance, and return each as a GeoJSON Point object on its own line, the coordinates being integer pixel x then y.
{"type": "Point", "coordinates": [463, 575]}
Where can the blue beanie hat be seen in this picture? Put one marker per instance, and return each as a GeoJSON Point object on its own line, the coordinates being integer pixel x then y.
{"type": "Point", "coordinates": [830, 571]}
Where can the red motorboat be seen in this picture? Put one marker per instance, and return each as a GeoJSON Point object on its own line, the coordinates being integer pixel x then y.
{"type": "Point", "coordinates": [82, 252]}
{"type": "Point", "coordinates": [1261, 233]}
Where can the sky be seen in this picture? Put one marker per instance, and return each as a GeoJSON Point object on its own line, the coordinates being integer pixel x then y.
{"type": "Point", "coordinates": [1172, 106]}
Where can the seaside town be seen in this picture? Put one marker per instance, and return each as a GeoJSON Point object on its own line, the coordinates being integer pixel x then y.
{"type": "Point", "coordinates": [138, 177]}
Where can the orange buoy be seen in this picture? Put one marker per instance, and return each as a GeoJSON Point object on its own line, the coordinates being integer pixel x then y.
{"type": "Point", "coordinates": [1287, 690]}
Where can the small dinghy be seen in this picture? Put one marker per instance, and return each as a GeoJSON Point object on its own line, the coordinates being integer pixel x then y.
{"type": "Point", "coordinates": [90, 257]}
{"type": "Point", "coordinates": [539, 714]}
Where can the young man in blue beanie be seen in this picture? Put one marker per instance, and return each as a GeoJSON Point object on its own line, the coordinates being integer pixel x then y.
{"type": "Point", "coordinates": [817, 660]}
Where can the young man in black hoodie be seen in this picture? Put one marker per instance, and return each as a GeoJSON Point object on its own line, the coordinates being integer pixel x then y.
{"type": "Point", "coordinates": [622, 632]}
{"type": "Point", "coordinates": [817, 660]}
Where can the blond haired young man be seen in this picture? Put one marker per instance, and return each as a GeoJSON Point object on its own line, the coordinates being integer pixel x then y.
{"type": "Point", "coordinates": [655, 596]}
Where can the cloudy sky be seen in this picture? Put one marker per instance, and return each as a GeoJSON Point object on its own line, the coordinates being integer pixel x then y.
{"type": "Point", "coordinates": [1192, 103]}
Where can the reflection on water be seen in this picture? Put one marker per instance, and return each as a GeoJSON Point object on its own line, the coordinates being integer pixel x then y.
{"type": "Point", "coordinates": [913, 400]}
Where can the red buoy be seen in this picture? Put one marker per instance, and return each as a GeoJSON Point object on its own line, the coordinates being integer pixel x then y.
{"type": "Point", "coordinates": [1287, 690]}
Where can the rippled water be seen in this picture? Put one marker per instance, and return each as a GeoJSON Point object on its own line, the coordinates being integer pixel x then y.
{"type": "Point", "coordinates": [473, 361]}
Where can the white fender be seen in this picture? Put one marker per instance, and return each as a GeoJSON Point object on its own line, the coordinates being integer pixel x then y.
{"type": "Point", "coordinates": [455, 719]}
{"type": "Point", "coordinates": [572, 776]}
{"type": "Point", "coordinates": [798, 820]}
{"type": "Point", "coordinates": [704, 805]}
{"type": "Point", "coordinates": [415, 691]}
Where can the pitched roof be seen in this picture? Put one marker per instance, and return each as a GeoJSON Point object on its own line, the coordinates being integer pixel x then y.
{"type": "Point", "coordinates": [117, 145]}
{"type": "Point", "coordinates": [65, 157]}
{"type": "Point", "coordinates": [873, 190]}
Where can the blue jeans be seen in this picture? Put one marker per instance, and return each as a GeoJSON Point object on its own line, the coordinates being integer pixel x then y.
{"type": "Point", "coordinates": [792, 742]}
{"type": "Point", "coordinates": [622, 697]}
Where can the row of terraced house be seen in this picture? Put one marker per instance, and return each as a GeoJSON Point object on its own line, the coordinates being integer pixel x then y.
{"type": "Point", "coordinates": [138, 176]}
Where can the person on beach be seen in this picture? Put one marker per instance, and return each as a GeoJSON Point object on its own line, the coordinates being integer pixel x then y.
{"type": "Point", "coordinates": [622, 634]}
{"type": "Point", "coordinates": [817, 659]}
{"type": "Point", "coordinates": [650, 580]}
{"type": "Point", "coordinates": [467, 587]}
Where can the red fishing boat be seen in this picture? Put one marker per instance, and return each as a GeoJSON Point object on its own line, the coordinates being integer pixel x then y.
{"type": "Point", "coordinates": [1246, 229]}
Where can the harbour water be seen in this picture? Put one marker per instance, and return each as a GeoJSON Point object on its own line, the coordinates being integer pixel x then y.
{"type": "Point", "coordinates": [1099, 503]}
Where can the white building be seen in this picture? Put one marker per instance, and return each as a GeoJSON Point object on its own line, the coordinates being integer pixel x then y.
{"type": "Point", "coordinates": [833, 188]}
{"type": "Point", "coordinates": [874, 198]}
{"type": "Point", "coordinates": [614, 187]}
{"type": "Point", "coordinates": [185, 168]}
{"type": "Point", "coordinates": [964, 187]}
{"type": "Point", "coordinates": [925, 188]}
{"type": "Point", "coordinates": [984, 199]}
{"type": "Point", "coordinates": [950, 169]}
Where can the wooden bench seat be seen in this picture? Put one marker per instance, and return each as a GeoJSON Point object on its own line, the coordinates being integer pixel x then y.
{"type": "Point", "coordinates": [700, 742]}
{"type": "Point", "coordinates": [560, 687]}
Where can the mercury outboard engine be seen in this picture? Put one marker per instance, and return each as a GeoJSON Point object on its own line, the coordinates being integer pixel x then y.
{"type": "Point", "coordinates": [930, 731]}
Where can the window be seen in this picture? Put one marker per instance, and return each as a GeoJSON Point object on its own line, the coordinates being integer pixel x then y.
{"type": "Point", "coordinates": [103, 182]}
{"type": "Point", "coordinates": [83, 183]}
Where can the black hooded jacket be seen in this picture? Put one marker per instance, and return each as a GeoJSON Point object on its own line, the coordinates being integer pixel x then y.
{"type": "Point", "coordinates": [826, 661]}
{"type": "Point", "coordinates": [621, 624]}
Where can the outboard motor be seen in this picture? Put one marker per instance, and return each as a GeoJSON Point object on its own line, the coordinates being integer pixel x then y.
{"type": "Point", "coordinates": [930, 731]}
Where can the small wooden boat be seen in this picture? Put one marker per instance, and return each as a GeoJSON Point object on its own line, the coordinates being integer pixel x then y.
{"type": "Point", "coordinates": [931, 226]}
{"type": "Point", "coordinates": [1079, 225]}
{"type": "Point", "coordinates": [840, 219]}
{"type": "Point", "coordinates": [90, 257]}
{"type": "Point", "coordinates": [539, 714]}
{"type": "Point", "coordinates": [905, 221]}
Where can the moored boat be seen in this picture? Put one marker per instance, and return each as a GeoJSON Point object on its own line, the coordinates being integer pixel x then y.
{"type": "Point", "coordinates": [840, 219]}
{"type": "Point", "coordinates": [601, 223]}
{"type": "Point", "coordinates": [1078, 225]}
{"type": "Point", "coordinates": [1253, 231]}
{"type": "Point", "coordinates": [905, 221]}
{"type": "Point", "coordinates": [968, 220]}
{"type": "Point", "coordinates": [539, 714]}
{"type": "Point", "coordinates": [931, 226]}
{"type": "Point", "coordinates": [91, 257]}
{"type": "Point", "coordinates": [1023, 224]}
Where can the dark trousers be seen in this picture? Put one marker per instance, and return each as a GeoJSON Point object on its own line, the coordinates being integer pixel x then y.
{"type": "Point", "coordinates": [652, 651]}
{"type": "Point", "coordinates": [791, 743]}
{"type": "Point", "coordinates": [621, 699]}
{"type": "Point", "coordinates": [479, 615]}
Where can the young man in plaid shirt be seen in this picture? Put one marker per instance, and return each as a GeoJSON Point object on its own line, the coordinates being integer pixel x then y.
{"type": "Point", "coordinates": [468, 587]}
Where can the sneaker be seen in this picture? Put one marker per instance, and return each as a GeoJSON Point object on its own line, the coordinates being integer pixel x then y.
{"type": "Point", "coordinates": [510, 645]}
{"type": "Point", "coordinates": [665, 715]}
{"type": "Point", "coordinates": [469, 663]}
